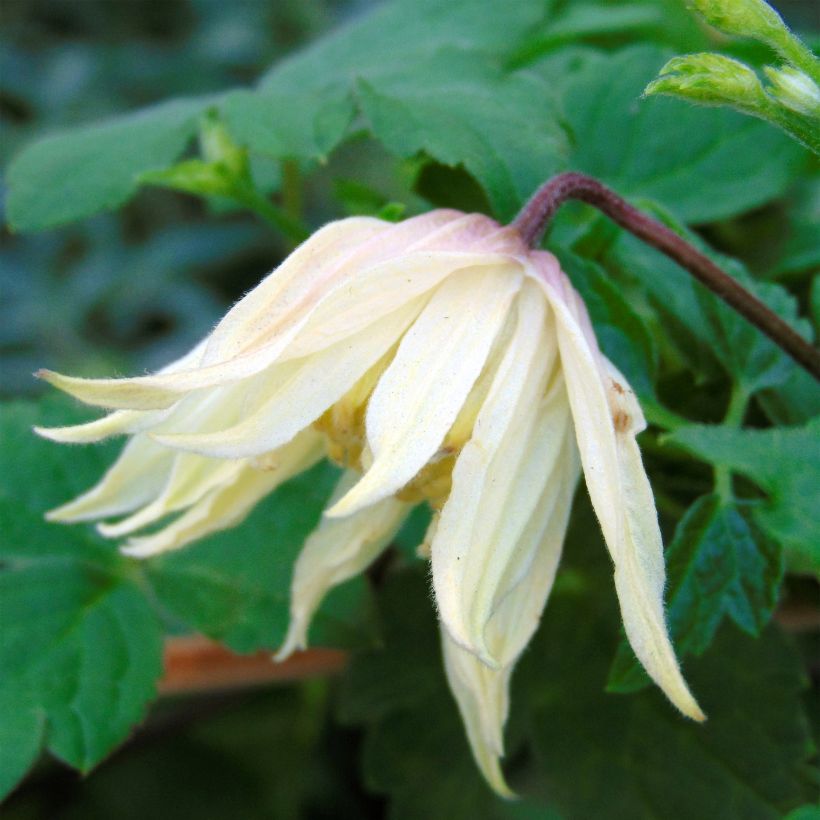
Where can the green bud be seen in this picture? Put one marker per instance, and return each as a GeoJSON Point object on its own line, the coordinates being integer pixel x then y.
{"type": "Point", "coordinates": [745, 18]}
{"type": "Point", "coordinates": [193, 176]}
{"type": "Point", "coordinates": [758, 20]}
{"type": "Point", "coordinates": [710, 78]}
{"type": "Point", "coordinates": [217, 146]}
{"type": "Point", "coordinates": [793, 89]}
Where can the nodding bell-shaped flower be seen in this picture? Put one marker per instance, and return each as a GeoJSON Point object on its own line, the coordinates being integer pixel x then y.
{"type": "Point", "coordinates": [438, 359]}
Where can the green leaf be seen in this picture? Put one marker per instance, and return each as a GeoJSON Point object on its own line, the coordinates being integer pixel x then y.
{"type": "Point", "coordinates": [638, 757]}
{"type": "Point", "coordinates": [749, 357]}
{"type": "Point", "coordinates": [289, 122]}
{"type": "Point", "coordinates": [707, 333]}
{"type": "Point", "coordinates": [456, 105]}
{"type": "Point", "coordinates": [21, 738]}
{"type": "Point", "coordinates": [81, 646]}
{"type": "Point", "coordinates": [79, 173]}
{"type": "Point", "coordinates": [804, 813]}
{"type": "Point", "coordinates": [784, 463]}
{"type": "Point", "coordinates": [655, 148]}
{"type": "Point", "coordinates": [413, 731]}
{"type": "Point", "coordinates": [235, 585]}
{"type": "Point", "coordinates": [458, 110]}
{"type": "Point", "coordinates": [719, 565]}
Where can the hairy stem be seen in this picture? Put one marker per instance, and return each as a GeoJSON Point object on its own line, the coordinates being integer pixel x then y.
{"type": "Point", "coordinates": [537, 213]}
{"type": "Point", "coordinates": [735, 413]}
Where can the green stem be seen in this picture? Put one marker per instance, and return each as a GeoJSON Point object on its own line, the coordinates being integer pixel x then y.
{"type": "Point", "coordinates": [803, 127]}
{"type": "Point", "coordinates": [294, 229]}
{"type": "Point", "coordinates": [661, 416]}
{"type": "Point", "coordinates": [291, 189]}
{"type": "Point", "coordinates": [735, 413]}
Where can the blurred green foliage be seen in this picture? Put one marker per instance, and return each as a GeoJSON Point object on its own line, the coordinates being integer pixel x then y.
{"type": "Point", "coordinates": [299, 112]}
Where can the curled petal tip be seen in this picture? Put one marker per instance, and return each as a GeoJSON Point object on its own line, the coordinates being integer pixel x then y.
{"type": "Point", "coordinates": [492, 771]}
{"type": "Point", "coordinates": [694, 711]}
{"type": "Point", "coordinates": [138, 548]}
{"type": "Point", "coordinates": [295, 641]}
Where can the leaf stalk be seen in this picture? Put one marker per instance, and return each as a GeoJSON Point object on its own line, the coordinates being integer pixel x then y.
{"type": "Point", "coordinates": [534, 217]}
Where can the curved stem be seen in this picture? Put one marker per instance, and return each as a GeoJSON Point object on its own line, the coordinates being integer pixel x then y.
{"type": "Point", "coordinates": [536, 214]}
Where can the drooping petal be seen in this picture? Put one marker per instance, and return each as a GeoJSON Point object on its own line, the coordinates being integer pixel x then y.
{"type": "Point", "coordinates": [305, 390]}
{"type": "Point", "coordinates": [482, 692]}
{"type": "Point", "coordinates": [273, 300]}
{"type": "Point", "coordinates": [420, 394]}
{"type": "Point", "coordinates": [113, 424]}
{"type": "Point", "coordinates": [191, 479]}
{"type": "Point", "coordinates": [529, 577]}
{"type": "Point", "coordinates": [379, 290]}
{"type": "Point", "coordinates": [497, 480]}
{"type": "Point", "coordinates": [334, 552]}
{"type": "Point", "coordinates": [482, 695]}
{"type": "Point", "coordinates": [640, 572]}
{"type": "Point", "coordinates": [229, 504]}
{"type": "Point", "coordinates": [605, 430]}
{"type": "Point", "coordinates": [134, 479]}
{"type": "Point", "coordinates": [120, 421]}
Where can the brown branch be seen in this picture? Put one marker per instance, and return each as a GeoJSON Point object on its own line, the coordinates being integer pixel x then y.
{"type": "Point", "coordinates": [196, 664]}
{"type": "Point", "coordinates": [537, 213]}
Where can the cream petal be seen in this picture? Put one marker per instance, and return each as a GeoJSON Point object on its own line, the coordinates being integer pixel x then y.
{"type": "Point", "coordinates": [340, 316]}
{"type": "Point", "coordinates": [332, 259]}
{"type": "Point", "coordinates": [639, 582]}
{"type": "Point", "coordinates": [482, 692]}
{"type": "Point", "coordinates": [304, 393]}
{"type": "Point", "coordinates": [120, 421]}
{"type": "Point", "coordinates": [496, 480]}
{"type": "Point", "coordinates": [113, 424]}
{"type": "Point", "coordinates": [135, 478]}
{"type": "Point", "coordinates": [334, 552]}
{"type": "Point", "coordinates": [518, 610]}
{"type": "Point", "coordinates": [379, 290]}
{"type": "Point", "coordinates": [229, 504]}
{"type": "Point", "coordinates": [421, 393]}
{"type": "Point", "coordinates": [191, 478]}
{"type": "Point", "coordinates": [605, 428]}
{"type": "Point", "coordinates": [300, 276]}
{"type": "Point", "coordinates": [356, 253]}
{"type": "Point", "coordinates": [482, 695]}
{"type": "Point", "coordinates": [160, 391]}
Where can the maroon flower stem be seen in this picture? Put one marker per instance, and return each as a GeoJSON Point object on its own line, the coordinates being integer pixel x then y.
{"type": "Point", "coordinates": [537, 213]}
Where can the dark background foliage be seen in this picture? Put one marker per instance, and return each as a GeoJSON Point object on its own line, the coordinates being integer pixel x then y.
{"type": "Point", "coordinates": [468, 104]}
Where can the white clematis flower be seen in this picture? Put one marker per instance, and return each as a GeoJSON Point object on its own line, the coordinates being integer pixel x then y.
{"type": "Point", "coordinates": [439, 359]}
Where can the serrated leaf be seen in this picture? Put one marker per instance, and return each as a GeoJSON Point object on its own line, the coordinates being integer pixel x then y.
{"type": "Point", "coordinates": [289, 123]}
{"type": "Point", "coordinates": [707, 333]}
{"type": "Point", "coordinates": [79, 173]}
{"type": "Point", "coordinates": [458, 110]}
{"type": "Point", "coordinates": [655, 148]}
{"type": "Point", "coordinates": [81, 646]}
{"type": "Point", "coordinates": [751, 358]}
{"type": "Point", "coordinates": [719, 566]}
{"type": "Point", "coordinates": [638, 757]}
{"type": "Point", "coordinates": [455, 103]}
{"type": "Point", "coordinates": [234, 586]}
{"type": "Point", "coordinates": [784, 462]}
